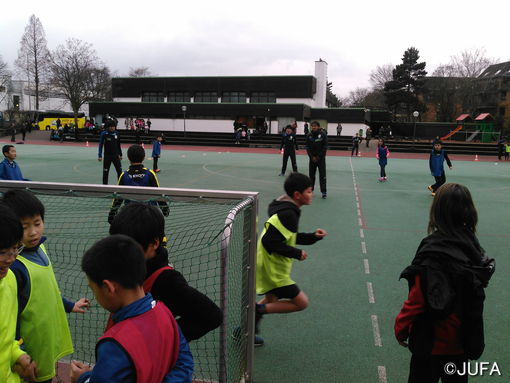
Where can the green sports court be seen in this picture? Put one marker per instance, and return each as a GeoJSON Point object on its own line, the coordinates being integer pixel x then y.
{"type": "Point", "coordinates": [351, 277]}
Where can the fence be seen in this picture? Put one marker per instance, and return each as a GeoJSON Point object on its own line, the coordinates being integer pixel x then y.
{"type": "Point", "coordinates": [211, 241]}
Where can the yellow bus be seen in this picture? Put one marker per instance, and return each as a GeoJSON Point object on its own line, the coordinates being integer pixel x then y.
{"type": "Point", "coordinates": [47, 120]}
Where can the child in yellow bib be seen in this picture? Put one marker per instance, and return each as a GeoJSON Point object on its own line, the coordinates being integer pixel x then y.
{"type": "Point", "coordinates": [276, 251]}
{"type": "Point", "coordinates": [14, 362]}
{"type": "Point", "coordinates": [42, 310]}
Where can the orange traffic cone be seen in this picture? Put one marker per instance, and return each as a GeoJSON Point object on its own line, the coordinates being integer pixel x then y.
{"type": "Point", "coordinates": [476, 157]}
{"type": "Point", "coordinates": [87, 143]}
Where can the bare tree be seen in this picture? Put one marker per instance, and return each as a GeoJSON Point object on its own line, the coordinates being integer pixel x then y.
{"type": "Point", "coordinates": [33, 56]}
{"type": "Point", "coordinates": [5, 79]}
{"type": "Point", "coordinates": [79, 74]}
{"type": "Point", "coordinates": [142, 71]}
{"type": "Point", "coordinates": [381, 75]}
{"type": "Point", "coordinates": [471, 63]}
{"type": "Point", "coordinates": [357, 96]}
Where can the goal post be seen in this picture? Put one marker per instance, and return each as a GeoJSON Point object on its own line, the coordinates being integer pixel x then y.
{"type": "Point", "coordinates": [212, 237]}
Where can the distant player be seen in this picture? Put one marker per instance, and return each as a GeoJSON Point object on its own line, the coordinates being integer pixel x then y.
{"type": "Point", "coordinates": [276, 250]}
{"type": "Point", "coordinates": [289, 147]}
{"type": "Point", "coordinates": [156, 152]}
{"type": "Point", "coordinates": [436, 164]}
{"type": "Point", "coordinates": [137, 175]}
{"type": "Point", "coordinates": [382, 155]}
{"type": "Point", "coordinates": [109, 139]}
{"type": "Point", "coordinates": [316, 148]}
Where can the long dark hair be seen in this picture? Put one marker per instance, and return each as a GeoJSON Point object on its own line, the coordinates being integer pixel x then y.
{"type": "Point", "coordinates": [453, 212]}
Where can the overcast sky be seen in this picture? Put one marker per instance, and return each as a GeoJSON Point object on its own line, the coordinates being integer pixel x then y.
{"type": "Point", "coordinates": [261, 37]}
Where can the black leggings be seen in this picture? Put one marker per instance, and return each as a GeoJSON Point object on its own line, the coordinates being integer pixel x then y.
{"type": "Point", "coordinates": [286, 155]}
{"type": "Point", "coordinates": [155, 162]}
{"type": "Point", "coordinates": [429, 369]}
{"type": "Point", "coordinates": [383, 170]}
{"type": "Point", "coordinates": [439, 181]}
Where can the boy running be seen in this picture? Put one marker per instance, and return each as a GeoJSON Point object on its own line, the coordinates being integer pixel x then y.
{"type": "Point", "coordinates": [436, 164]}
{"type": "Point", "coordinates": [276, 250]}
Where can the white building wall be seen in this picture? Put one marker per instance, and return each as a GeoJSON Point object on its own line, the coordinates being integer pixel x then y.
{"type": "Point", "coordinates": [307, 101]}
{"type": "Point", "coordinates": [321, 74]}
{"type": "Point", "coordinates": [192, 125]}
{"type": "Point", "coordinates": [347, 129]}
{"type": "Point", "coordinates": [127, 99]}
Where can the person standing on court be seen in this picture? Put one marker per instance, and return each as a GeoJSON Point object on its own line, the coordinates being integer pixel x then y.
{"type": "Point", "coordinates": [289, 147]}
{"type": "Point", "coordinates": [355, 144]}
{"type": "Point", "coordinates": [316, 148]}
{"type": "Point", "coordinates": [368, 136]}
{"type": "Point", "coordinates": [109, 139]}
{"type": "Point", "coordinates": [339, 129]}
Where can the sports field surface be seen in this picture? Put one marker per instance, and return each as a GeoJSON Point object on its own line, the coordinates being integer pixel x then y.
{"type": "Point", "coordinates": [351, 277]}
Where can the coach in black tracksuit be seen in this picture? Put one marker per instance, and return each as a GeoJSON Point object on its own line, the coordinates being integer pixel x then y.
{"type": "Point", "coordinates": [289, 146]}
{"type": "Point", "coordinates": [316, 147]}
{"type": "Point", "coordinates": [109, 139]}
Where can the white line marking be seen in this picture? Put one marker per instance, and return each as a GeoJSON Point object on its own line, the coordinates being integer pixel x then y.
{"type": "Point", "coordinates": [371, 298]}
{"type": "Point", "coordinates": [361, 233]}
{"type": "Point", "coordinates": [377, 334]}
{"type": "Point", "coordinates": [357, 205]}
{"type": "Point", "coordinates": [364, 247]}
{"type": "Point", "coordinates": [367, 266]}
{"type": "Point", "coordinates": [360, 223]}
{"type": "Point", "coordinates": [381, 371]}
{"type": "Point", "coordinates": [359, 212]}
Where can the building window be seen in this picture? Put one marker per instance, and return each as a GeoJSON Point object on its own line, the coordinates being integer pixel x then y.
{"type": "Point", "coordinates": [237, 97]}
{"type": "Point", "coordinates": [179, 97]}
{"type": "Point", "coordinates": [153, 97]}
{"type": "Point", "coordinates": [502, 111]}
{"type": "Point", "coordinates": [263, 97]}
{"type": "Point", "coordinates": [502, 95]}
{"type": "Point", "coordinates": [206, 97]}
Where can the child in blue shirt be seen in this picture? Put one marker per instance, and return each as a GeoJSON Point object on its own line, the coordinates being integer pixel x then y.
{"type": "Point", "coordinates": [436, 164]}
{"type": "Point", "coordinates": [9, 169]}
{"type": "Point", "coordinates": [156, 152]}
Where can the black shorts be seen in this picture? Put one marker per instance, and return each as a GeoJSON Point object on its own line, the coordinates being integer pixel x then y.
{"type": "Point", "coordinates": [285, 292]}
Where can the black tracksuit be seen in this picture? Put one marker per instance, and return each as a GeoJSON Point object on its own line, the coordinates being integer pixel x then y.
{"type": "Point", "coordinates": [112, 153]}
{"type": "Point", "coordinates": [316, 147]}
{"type": "Point", "coordinates": [289, 146]}
{"type": "Point", "coordinates": [195, 313]}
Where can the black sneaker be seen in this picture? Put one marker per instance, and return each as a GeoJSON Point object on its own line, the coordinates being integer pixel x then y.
{"type": "Point", "coordinates": [324, 195]}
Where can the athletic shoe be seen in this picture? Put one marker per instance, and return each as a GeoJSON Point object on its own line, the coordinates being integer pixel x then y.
{"type": "Point", "coordinates": [258, 341]}
{"type": "Point", "coordinates": [380, 179]}
{"type": "Point", "coordinates": [157, 170]}
{"type": "Point", "coordinates": [281, 174]}
{"type": "Point", "coordinates": [385, 178]}
{"type": "Point", "coordinates": [430, 188]}
{"type": "Point", "coordinates": [433, 194]}
{"type": "Point", "coordinates": [324, 195]}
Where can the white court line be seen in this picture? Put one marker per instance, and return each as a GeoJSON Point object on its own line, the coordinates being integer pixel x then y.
{"type": "Point", "coordinates": [360, 222]}
{"type": "Point", "coordinates": [359, 212]}
{"type": "Point", "coordinates": [367, 266]}
{"type": "Point", "coordinates": [377, 334]}
{"type": "Point", "coordinates": [370, 289]}
{"type": "Point", "coordinates": [363, 247]}
{"type": "Point", "coordinates": [357, 205]}
{"type": "Point", "coordinates": [361, 233]}
{"type": "Point", "coordinates": [381, 371]}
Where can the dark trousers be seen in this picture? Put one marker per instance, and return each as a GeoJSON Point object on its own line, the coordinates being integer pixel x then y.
{"type": "Point", "coordinates": [429, 369]}
{"type": "Point", "coordinates": [354, 148]}
{"type": "Point", "coordinates": [155, 162]}
{"type": "Point", "coordinates": [312, 169]}
{"type": "Point", "coordinates": [107, 162]}
{"type": "Point", "coordinates": [383, 170]}
{"type": "Point", "coordinates": [439, 181]}
{"type": "Point", "coordinates": [286, 155]}
{"type": "Point", "coordinates": [367, 141]}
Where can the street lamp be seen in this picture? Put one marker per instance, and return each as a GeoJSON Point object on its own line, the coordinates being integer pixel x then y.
{"type": "Point", "coordinates": [415, 114]}
{"type": "Point", "coordinates": [184, 108]}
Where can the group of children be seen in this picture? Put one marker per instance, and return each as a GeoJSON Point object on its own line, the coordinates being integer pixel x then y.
{"type": "Point", "coordinates": [129, 276]}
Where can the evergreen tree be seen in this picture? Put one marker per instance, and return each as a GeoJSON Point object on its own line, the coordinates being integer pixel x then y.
{"type": "Point", "coordinates": [408, 79]}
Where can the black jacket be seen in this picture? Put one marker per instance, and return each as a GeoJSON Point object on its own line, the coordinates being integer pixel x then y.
{"type": "Point", "coordinates": [288, 213]}
{"type": "Point", "coordinates": [317, 143]}
{"type": "Point", "coordinates": [289, 142]}
{"type": "Point", "coordinates": [195, 313]}
{"type": "Point", "coordinates": [454, 273]}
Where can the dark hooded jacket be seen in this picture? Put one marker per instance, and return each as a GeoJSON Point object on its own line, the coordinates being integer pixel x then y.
{"type": "Point", "coordinates": [453, 273]}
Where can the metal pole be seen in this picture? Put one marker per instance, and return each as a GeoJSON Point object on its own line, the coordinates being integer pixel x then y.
{"type": "Point", "coordinates": [185, 123]}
